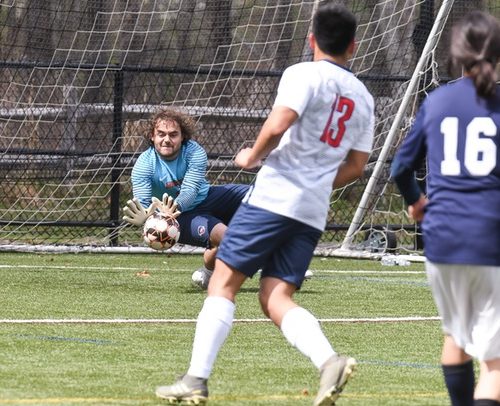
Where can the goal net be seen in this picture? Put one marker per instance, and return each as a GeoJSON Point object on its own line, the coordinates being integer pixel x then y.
{"type": "Point", "coordinates": [80, 80]}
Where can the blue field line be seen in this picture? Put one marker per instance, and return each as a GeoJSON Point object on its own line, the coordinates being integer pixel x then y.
{"type": "Point", "coordinates": [71, 339]}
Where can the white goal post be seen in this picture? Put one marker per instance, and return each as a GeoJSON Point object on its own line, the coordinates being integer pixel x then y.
{"type": "Point", "coordinates": [381, 244]}
{"type": "Point", "coordinates": [79, 80]}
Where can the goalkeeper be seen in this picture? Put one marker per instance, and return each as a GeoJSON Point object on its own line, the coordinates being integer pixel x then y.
{"type": "Point", "coordinates": [174, 167]}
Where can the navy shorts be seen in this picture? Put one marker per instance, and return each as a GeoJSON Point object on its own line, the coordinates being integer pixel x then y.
{"type": "Point", "coordinates": [219, 207]}
{"type": "Point", "coordinates": [258, 239]}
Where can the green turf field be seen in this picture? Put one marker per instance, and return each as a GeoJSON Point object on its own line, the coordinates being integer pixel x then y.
{"type": "Point", "coordinates": [122, 324]}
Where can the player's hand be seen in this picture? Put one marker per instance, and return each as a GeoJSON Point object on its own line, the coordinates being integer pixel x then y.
{"type": "Point", "coordinates": [417, 209]}
{"type": "Point", "coordinates": [169, 207]}
{"type": "Point", "coordinates": [136, 214]}
{"type": "Point", "coordinates": [245, 159]}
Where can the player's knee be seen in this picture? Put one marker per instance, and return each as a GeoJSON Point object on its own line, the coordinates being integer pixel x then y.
{"type": "Point", "coordinates": [217, 234]}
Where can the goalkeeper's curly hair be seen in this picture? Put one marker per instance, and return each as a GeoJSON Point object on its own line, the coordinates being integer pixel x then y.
{"type": "Point", "coordinates": [186, 123]}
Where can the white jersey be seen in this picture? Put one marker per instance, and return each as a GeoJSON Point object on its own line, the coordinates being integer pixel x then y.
{"type": "Point", "coordinates": [336, 114]}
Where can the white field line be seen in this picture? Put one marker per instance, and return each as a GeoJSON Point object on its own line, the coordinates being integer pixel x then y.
{"type": "Point", "coordinates": [184, 321]}
{"type": "Point", "coordinates": [90, 268]}
{"type": "Point", "coordinates": [364, 271]}
{"type": "Point", "coordinates": [93, 268]}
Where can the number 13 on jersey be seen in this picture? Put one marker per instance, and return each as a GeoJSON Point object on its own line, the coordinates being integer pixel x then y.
{"type": "Point", "coordinates": [335, 127]}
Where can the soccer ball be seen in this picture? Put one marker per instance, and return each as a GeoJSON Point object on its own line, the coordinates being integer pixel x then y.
{"type": "Point", "coordinates": [161, 232]}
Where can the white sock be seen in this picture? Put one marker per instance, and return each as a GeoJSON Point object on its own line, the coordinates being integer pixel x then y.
{"type": "Point", "coordinates": [302, 330]}
{"type": "Point", "coordinates": [212, 328]}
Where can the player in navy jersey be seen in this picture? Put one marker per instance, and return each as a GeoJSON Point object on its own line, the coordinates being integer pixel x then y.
{"type": "Point", "coordinates": [318, 136]}
{"type": "Point", "coordinates": [175, 166]}
{"type": "Point", "coordinates": [457, 129]}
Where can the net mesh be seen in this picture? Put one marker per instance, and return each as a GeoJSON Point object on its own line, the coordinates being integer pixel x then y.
{"type": "Point", "coordinates": [79, 81]}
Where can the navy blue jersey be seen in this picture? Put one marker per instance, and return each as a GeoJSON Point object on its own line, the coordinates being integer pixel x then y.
{"type": "Point", "coordinates": [459, 133]}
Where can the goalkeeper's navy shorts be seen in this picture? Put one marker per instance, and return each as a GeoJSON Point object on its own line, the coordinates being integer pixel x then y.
{"type": "Point", "coordinates": [259, 239]}
{"type": "Point", "coordinates": [219, 207]}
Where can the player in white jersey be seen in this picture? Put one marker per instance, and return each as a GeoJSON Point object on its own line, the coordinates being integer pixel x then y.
{"type": "Point", "coordinates": [457, 130]}
{"type": "Point", "coordinates": [336, 117]}
{"type": "Point", "coordinates": [317, 136]}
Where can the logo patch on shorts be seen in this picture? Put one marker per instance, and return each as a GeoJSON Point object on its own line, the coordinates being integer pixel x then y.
{"type": "Point", "coordinates": [201, 230]}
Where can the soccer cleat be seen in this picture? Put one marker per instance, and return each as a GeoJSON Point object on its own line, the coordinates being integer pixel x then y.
{"type": "Point", "coordinates": [201, 277]}
{"type": "Point", "coordinates": [333, 378]}
{"type": "Point", "coordinates": [188, 390]}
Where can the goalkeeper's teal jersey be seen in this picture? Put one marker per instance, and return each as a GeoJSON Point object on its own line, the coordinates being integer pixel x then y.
{"type": "Point", "coordinates": [182, 178]}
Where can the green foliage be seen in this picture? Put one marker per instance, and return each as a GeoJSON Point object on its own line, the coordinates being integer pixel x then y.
{"type": "Point", "coordinates": [122, 363]}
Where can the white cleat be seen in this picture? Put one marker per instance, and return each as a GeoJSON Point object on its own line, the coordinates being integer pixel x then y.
{"type": "Point", "coordinates": [334, 376]}
{"type": "Point", "coordinates": [188, 390]}
{"type": "Point", "coordinates": [201, 277]}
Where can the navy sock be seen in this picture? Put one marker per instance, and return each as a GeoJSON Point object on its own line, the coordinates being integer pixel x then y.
{"type": "Point", "coordinates": [486, 402]}
{"type": "Point", "coordinates": [459, 380]}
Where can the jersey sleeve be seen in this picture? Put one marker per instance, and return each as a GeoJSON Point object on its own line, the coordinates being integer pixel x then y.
{"type": "Point", "coordinates": [364, 142]}
{"type": "Point", "coordinates": [408, 159]}
{"type": "Point", "coordinates": [194, 178]}
{"type": "Point", "coordinates": [293, 91]}
{"type": "Point", "coordinates": [142, 174]}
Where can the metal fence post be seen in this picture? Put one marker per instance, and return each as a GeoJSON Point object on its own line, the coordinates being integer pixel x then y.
{"type": "Point", "coordinates": [114, 214]}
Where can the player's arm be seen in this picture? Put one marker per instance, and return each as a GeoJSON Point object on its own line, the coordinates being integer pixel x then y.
{"type": "Point", "coordinates": [142, 178]}
{"type": "Point", "coordinates": [406, 181]}
{"type": "Point", "coordinates": [194, 176]}
{"type": "Point", "coordinates": [142, 205]}
{"type": "Point", "coordinates": [351, 169]}
{"type": "Point", "coordinates": [409, 156]}
{"type": "Point", "coordinates": [278, 121]}
{"type": "Point", "coordinates": [291, 100]}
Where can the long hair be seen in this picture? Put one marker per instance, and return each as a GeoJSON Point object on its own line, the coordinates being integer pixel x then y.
{"type": "Point", "coordinates": [475, 46]}
{"type": "Point", "coordinates": [186, 123]}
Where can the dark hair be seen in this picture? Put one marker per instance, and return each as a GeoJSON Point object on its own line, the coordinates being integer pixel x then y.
{"type": "Point", "coordinates": [186, 123]}
{"type": "Point", "coordinates": [475, 46]}
{"type": "Point", "coordinates": [334, 27]}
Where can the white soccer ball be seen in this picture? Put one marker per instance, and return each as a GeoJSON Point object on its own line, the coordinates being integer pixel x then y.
{"type": "Point", "coordinates": [161, 232]}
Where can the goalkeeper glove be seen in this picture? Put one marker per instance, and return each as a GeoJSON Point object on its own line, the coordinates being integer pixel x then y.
{"type": "Point", "coordinates": [169, 207]}
{"type": "Point", "coordinates": [136, 214]}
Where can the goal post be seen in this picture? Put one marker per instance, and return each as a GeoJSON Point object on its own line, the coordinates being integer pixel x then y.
{"type": "Point", "coordinates": [348, 248]}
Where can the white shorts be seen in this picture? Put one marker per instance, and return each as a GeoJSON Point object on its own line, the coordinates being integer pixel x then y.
{"type": "Point", "coordinates": [468, 300]}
